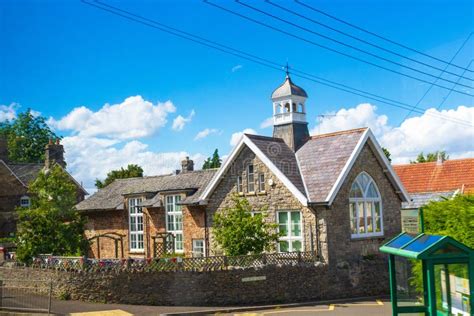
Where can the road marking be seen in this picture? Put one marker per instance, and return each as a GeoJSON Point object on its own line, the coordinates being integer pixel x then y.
{"type": "Point", "coordinates": [329, 309]}
{"type": "Point", "coordinates": [377, 303]}
{"type": "Point", "coordinates": [117, 312]}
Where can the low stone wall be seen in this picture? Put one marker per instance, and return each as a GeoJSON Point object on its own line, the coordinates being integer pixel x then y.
{"type": "Point", "coordinates": [269, 284]}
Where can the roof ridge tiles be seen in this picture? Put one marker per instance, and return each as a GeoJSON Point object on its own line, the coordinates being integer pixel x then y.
{"type": "Point", "coordinates": [349, 131]}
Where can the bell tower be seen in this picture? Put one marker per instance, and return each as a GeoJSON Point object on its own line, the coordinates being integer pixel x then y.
{"type": "Point", "coordinates": [289, 114]}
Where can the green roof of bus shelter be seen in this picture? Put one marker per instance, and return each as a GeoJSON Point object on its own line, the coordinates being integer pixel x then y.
{"type": "Point", "coordinates": [424, 246]}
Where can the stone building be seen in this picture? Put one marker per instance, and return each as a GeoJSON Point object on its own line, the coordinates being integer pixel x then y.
{"type": "Point", "coordinates": [15, 178]}
{"type": "Point", "coordinates": [335, 194]}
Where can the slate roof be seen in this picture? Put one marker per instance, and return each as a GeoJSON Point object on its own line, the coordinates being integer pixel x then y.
{"type": "Point", "coordinates": [420, 199]}
{"type": "Point", "coordinates": [111, 197]}
{"type": "Point", "coordinates": [281, 156]}
{"type": "Point", "coordinates": [450, 175]}
{"type": "Point", "coordinates": [26, 172]}
{"type": "Point", "coordinates": [322, 159]}
{"type": "Point", "coordinates": [287, 89]}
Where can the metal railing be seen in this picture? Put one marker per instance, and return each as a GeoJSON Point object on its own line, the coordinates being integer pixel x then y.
{"type": "Point", "coordinates": [214, 263]}
{"type": "Point", "coordinates": [26, 295]}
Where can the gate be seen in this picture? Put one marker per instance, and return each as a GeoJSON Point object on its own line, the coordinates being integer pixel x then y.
{"type": "Point", "coordinates": [26, 295]}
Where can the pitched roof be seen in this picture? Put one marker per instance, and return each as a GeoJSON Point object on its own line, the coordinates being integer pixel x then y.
{"type": "Point", "coordinates": [111, 197]}
{"type": "Point", "coordinates": [420, 199]}
{"type": "Point", "coordinates": [450, 175]}
{"type": "Point", "coordinates": [323, 158]}
{"type": "Point", "coordinates": [26, 172]}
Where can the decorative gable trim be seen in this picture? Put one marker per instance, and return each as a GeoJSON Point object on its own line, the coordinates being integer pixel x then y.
{"type": "Point", "coordinates": [246, 141]}
{"type": "Point", "coordinates": [393, 177]}
{"type": "Point", "coordinates": [11, 171]}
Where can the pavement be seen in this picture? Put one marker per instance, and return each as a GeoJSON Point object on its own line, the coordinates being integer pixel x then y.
{"type": "Point", "coordinates": [360, 307]}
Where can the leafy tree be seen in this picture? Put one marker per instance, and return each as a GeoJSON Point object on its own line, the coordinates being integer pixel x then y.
{"type": "Point", "coordinates": [237, 232]}
{"type": "Point", "coordinates": [387, 154]}
{"type": "Point", "coordinates": [431, 157]}
{"type": "Point", "coordinates": [27, 136]}
{"type": "Point", "coordinates": [132, 171]}
{"type": "Point", "coordinates": [212, 162]}
{"type": "Point", "coordinates": [51, 225]}
{"type": "Point", "coordinates": [453, 217]}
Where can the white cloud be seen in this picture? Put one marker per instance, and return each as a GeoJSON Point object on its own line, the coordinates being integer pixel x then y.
{"type": "Point", "coordinates": [234, 139]}
{"type": "Point", "coordinates": [267, 123]}
{"type": "Point", "coordinates": [205, 132]}
{"type": "Point", "coordinates": [236, 68]}
{"type": "Point", "coordinates": [89, 158]}
{"type": "Point", "coordinates": [427, 132]}
{"type": "Point", "coordinates": [179, 122]}
{"type": "Point", "coordinates": [7, 112]}
{"type": "Point", "coordinates": [132, 118]}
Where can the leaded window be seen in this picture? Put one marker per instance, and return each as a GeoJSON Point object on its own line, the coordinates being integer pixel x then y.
{"type": "Point", "coordinates": [365, 207]}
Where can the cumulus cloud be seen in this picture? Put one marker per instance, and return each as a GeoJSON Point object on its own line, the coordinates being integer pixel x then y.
{"type": "Point", "coordinates": [428, 132]}
{"type": "Point", "coordinates": [132, 118]}
{"type": "Point", "coordinates": [89, 158]}
{"type": "Point", "coordinates": [236, 68]}
{"type": "Point", "coordinates": [7, 112]}
{"type": "Point", "coordinates": [180, 121]}
{"type": "Point", "coordinates": [267, 123]}
{"type": "Point", "coordinates": [234, 139]}
{"type": "Point", "coordinates": [205, 132]}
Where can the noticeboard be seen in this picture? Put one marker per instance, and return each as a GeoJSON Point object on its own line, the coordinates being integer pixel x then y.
{"type": "Point", "coordinates": [410, 221]}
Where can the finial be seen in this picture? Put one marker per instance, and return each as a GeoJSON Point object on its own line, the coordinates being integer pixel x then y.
{"type": "Point", "coordinates": [287, 69]}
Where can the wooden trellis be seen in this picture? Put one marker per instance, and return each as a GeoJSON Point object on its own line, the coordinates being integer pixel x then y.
{"type": "Point", "coordinates": [111, 235]}
{"type": "Point", "coordinates": [163, 243]}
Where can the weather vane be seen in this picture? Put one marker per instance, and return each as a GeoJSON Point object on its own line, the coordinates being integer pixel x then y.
{"type": "Point", "coordinates": [287, 68]}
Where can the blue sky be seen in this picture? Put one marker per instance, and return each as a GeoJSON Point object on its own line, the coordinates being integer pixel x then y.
{"type": "Point", "coordinates": [60, 55]}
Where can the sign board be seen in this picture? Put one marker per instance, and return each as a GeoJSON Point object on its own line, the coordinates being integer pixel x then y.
{"type": "Point", "coordinates": [255, 278]}
{"type": "Point", "coordinates": [410, 221]}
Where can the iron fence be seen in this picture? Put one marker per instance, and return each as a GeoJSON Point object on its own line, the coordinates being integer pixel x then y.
{"type": "Point", "coordinates": [213, 263]}
{"type": "Point", "coordinates": [26, 295]}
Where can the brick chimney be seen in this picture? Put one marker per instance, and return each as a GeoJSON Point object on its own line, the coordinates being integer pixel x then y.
{"type": "Point", "coordinates": [187, 165]}
{"type": "Point", "coordinates": [3, 148]}
{"type": "Point", "coordinates": [54, 154]}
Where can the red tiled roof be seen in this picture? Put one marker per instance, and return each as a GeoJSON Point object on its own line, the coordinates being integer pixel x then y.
{"type": "Point", "coordinates": [432, 177]}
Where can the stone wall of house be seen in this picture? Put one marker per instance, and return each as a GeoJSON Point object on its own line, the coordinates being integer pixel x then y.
{"type": "Point", "coordinates": [334, 222]}
{"type": "Point", "coordinates": [275, 198]}
{"type": "Point", "coordinates": [11, 190]}
{"type": "Point", "coordinates": [269, 284]}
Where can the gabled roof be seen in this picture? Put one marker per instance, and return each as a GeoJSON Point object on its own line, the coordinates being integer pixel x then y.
{"type": "Point", "coordinates": [112, 196]}
{"type": "Point", "coordinates": [450, 175]}
{"type": "Point", "coordinates": [318, 168]}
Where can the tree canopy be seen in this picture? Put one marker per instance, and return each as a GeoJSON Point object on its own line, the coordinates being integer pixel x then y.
{"type": "Point", "coordinates": [431, 157]}
{"type": "Point", "coordinates": [27, 137]}
{"type": "Point", "coordinates": [212, 162]}
{"type": "Point", "coordinates": [387, 154]}
{"type": "Point", "coordinates": [132, 171]}
{"type": "Point", "coordinates": [51, 225]}
{"type": "Point", "coordinates": [241, 230]}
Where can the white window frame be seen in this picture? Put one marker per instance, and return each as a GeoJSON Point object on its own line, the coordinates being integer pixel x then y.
{"type": "Point", "coordinates": [261, 182]}
{"type": "Point", "coordinates": [172, 209]}
{"type": "Point", "coordinates": [27, 199]}
{"type": "Point", "coordinates": [365, 201]}
{"type": "Point", "coordinates": [289, 238]}
{"type": "Point", "coordinates": [135, 212]}
{"type": "Point", "coordinates": [240, 185]}
{"type": "Point", "coordinates": [201, 253]}
{"type": "Point", "coordinates": [250, 178]}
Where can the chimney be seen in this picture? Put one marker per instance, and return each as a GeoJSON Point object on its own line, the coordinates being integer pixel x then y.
{"type": "Point", "coordinates": [3, 148]}
{"type": "Point", "coordinates": [187, 165]}
{"type": "Point", "coordinates": [54, 154]}
{"type": "Point", "coordinates": [439, 159]}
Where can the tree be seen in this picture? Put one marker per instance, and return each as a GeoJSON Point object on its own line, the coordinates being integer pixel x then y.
{"type": "Point", "coordinates": [51, 225]}
{"type": "Point", "coordinates": [453, 217]}
{"type": "Point", "coordinates": [132, 171]}
{"type": "Point", "coordinates": [27, 136]}
{"type": "Point", "coordinates": [237, 232]}
{"type": "Point", "coordinates": [212, 162]}
{"type": "Point", "coordinates": [387, 154]}
{"type": "Point", "coordinates": [431, 157]}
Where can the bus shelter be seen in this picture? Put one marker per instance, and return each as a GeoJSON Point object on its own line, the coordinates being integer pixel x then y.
{"type": "Point", "coordinates": [448, 273]}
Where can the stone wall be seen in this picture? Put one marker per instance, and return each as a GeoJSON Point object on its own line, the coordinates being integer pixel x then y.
{"type": "Point", "coordinates": [269, 284]}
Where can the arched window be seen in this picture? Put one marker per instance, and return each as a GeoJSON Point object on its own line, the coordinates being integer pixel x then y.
{"type": "Point", "coordinates": [365, 207]}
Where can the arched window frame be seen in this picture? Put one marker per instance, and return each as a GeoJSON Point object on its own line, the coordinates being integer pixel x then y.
{"type": "Point", "coordinates": [358, 204]}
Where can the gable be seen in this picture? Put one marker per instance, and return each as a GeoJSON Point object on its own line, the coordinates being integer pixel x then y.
{"type": "Point", "coordinates": [10, 184]}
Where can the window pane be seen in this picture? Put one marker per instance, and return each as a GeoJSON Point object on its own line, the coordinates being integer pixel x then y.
{"type": "Point", "coordinates": [378, 225]}
{"type": "Point", "coordinates": [377, 209]}
{"type": "Point", "coordinates": [179, 222]}
{"type": "Point", "coordinates": [179, 242]}
{"type": "Point", "coordinates": [284, 246]}
{"type": "Point", "coordinates": [170, 223]}
{"type": "Point", "coordinates": [372, 191]}
{"type": "Point", "coordinates": [363, 180]}
{"type": "Point", "coordinates": [360, 205]}
{"type": "Point", "coordinates": [282, 218]}
{"type": "Point", "coordinates": [355, 191]}
{"type": "Point", "coordinates": [296, 245]}
{"type": "Point", "coordinates": [295, 224]}
{"type": "Point", "coordinates": [353, 218]}
{"type": "Point", "coordinates": [370, 227]}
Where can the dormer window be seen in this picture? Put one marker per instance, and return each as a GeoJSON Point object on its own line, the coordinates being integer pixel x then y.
{"type": "Point", "coordinates": [250, 179]}
{"type": "Point", "coordinates": [25, 201]}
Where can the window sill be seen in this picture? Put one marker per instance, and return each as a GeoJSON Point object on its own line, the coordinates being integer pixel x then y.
{"type": "Point", "coordinates": [262, 193]}
{"type": "Point", "coordinates": [137, 252]}
{"type": "Point", "coordinates": [241, 193]}
{"type": "Point", "coordinates": [364, 237]}
{"type": "Point", "coordinates": [251, 194]}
